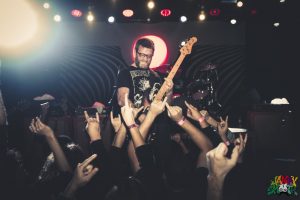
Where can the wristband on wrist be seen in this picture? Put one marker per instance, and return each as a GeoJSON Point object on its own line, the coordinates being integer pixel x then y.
{"type": "Point", "coordinates": [132, 126]}
{"type": "Point", "coordinates": [201, 119]}
{"type": "Point", "coordinates": [181, 121]}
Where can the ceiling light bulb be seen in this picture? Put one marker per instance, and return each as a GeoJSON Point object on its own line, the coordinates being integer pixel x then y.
{"type": "Point", "coordinates": [111, 19]}
{"type": "Point", "coordinates": [151, 4]}
{"type": "Point", "coordinates": [57, 18]}
{"type": "Point", "coordinates": [240, 4]}
{"type": "Point", "coordinates": [183, 18]}
{"type": "Point", "coordinates": [233, 21]}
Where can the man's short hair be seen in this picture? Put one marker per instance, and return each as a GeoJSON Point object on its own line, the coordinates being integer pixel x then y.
{"type": "Point", "coordinates": [145, 43]}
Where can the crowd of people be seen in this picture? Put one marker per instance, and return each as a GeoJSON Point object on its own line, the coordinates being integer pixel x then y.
{"type": "Point", "coordinates": [159, 150]}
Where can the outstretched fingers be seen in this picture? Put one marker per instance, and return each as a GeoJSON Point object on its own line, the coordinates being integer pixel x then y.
{"type": "Point", "coordinates": [87, 161]}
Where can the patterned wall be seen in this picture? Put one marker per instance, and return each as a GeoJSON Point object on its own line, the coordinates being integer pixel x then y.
{"type": "Point", "coordinates": [88, 74]}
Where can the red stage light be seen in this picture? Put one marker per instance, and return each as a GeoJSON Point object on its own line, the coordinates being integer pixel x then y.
{"type": "Point", "coordinates": [215, 12]}
{"type": "Point", "coordinates": [128, 13]}
{"type": "Point", "coordinates": [165, 12]}
{"type": "Point", "coordinates": [76, 13]}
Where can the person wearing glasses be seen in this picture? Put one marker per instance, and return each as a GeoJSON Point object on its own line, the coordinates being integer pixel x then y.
{"type": "Point", "coordinates": [139, 81]}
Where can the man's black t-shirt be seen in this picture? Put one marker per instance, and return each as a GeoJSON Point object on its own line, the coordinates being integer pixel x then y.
{"type": "Point", "coordinates": [142, 83]}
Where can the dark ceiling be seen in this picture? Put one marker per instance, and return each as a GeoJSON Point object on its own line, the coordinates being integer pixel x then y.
{"type": "Point", "coordinates": [264, 10]}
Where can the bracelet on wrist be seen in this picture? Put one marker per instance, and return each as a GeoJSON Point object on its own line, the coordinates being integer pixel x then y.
{"type": "Point", "coordinates": [181, 121]}
{"type": "Point", "coordinates": [132, 126]}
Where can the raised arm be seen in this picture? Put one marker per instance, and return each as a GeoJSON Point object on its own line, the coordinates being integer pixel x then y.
{"type": "Point", "coordinates": [82, 175]}
{"type": "Point", "coordinates": [193, 113]}
{"type": "Point", "coordinates": [197, 136]}
{"type": "Point", "coordinates": [219, 166]}
{"type": "Point", "coordinates": [128, 116]}
{"type": "Point", "coordinates": [38, 127]}
{"type": "Point", "coordinates": [155, 109]}
{"type": "Point", "coordinates": [119, 129]}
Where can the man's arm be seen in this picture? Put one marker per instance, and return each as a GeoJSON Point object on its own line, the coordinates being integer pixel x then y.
{"type": "Point", "coordinates": [40, 128]}
{"type": "Point", "coordinates": [121, 96]}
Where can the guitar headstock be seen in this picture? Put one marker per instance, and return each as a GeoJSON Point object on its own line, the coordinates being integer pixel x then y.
{"type": "Point", "coordinates": [187, 48]}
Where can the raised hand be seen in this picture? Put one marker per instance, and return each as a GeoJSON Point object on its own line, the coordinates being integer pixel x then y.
{"type": "Point", "coordinates": [169, 85]}
{"type": "Point", "coordinates": [222, 129]}
{"type": "Point", "coordinates": [204, 113]}
{"type": "Point", "coordinates": [40, 128]}
{"type": "Point", "coordinates": [192, 112]}
{"type": "Point", "coordinates": [242, 142]}
{"type": "Point", "coordinates": [84, 172]}
{"type": "Point", "coordinates": [127, 112]}
{"type": "Point", "coordinates": [116, 121]}
{"type": "Point", "coordinates": [93, 126]}
{"type": "Point", "coordinates": [158, 107]}
{"type": "Point", "coordinates": [136, 111]}
{"type": "Point", "coordinates": [174, 112]}
{"type": "Point", "coordinates": [218, 164]}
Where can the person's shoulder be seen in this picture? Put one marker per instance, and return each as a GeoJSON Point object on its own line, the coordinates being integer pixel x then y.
{"type": "Point", "coordinates": [154, 73]}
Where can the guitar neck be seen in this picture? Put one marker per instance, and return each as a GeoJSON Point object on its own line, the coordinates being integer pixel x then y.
{"type": "Point", "coordinates": [171, 75]}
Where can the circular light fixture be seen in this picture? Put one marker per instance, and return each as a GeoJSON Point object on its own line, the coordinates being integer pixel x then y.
{"type": "Point", "coordinates": [239, 4]}
{"type": "Point", "coordinates": [76, 13]}
{"type": "Point", "coordinates": [202, 16]}
{"type": "Point", "coordinates": [183, 19]}
{"type": "Point", "coordinates": [90, 17]}
{"type": "Point", "coordinates": [111, 19]}
{"type": "Point", "coordinates": [165, 12]}
{"type": "Point", "coordinates": [151, 4]}
{"type": "Point", "coordinates": [57, 18]}
{"type": "Point", "coordinates": [215, 12]}
{"type": "Point", "coordinates": [127, 13]}
{"type": "Point", "coordinates": [46, 5]}
{"type": "Point", "coordinates": [233, 21]}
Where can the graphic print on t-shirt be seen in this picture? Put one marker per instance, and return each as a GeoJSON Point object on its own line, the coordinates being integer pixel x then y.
{"type": "Point", "coordinates": [142, 83]}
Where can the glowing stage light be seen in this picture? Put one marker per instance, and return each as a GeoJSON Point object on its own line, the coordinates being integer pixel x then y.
{"type": "Point", "coordinates": [19, 23]}
{"type": "Point", "coordinates": [233, 21]}
{"type": "Point", "coordinates": [239, 4]}
{"type": "Point", "coordinates": [90, 17]}
{"type": "Point", "coordinates": [57, 18]}
{"type": "Point", "coordinates": [215, 12]}
{"type": "Point", "coordinates": [183, 19]}
{"type": "Point", "coordinates": [202, 16]}
{"type": "Point", "coordinates": [160, 53]}
{"type": "Point", "coordinates": [151, 5]}
{"type": "Point", "coordinates": [76, 13]}
{"type": "Point", "coordinates": [46, 5]}
{"type": "Point", "coordinates": [276, 24]}
{"type": "Point", "coordinates": [111, 19]}
{"type": "Point", "coordinates": [127, 13]}
{"type": "Point", "coordinates": [165, 12]}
